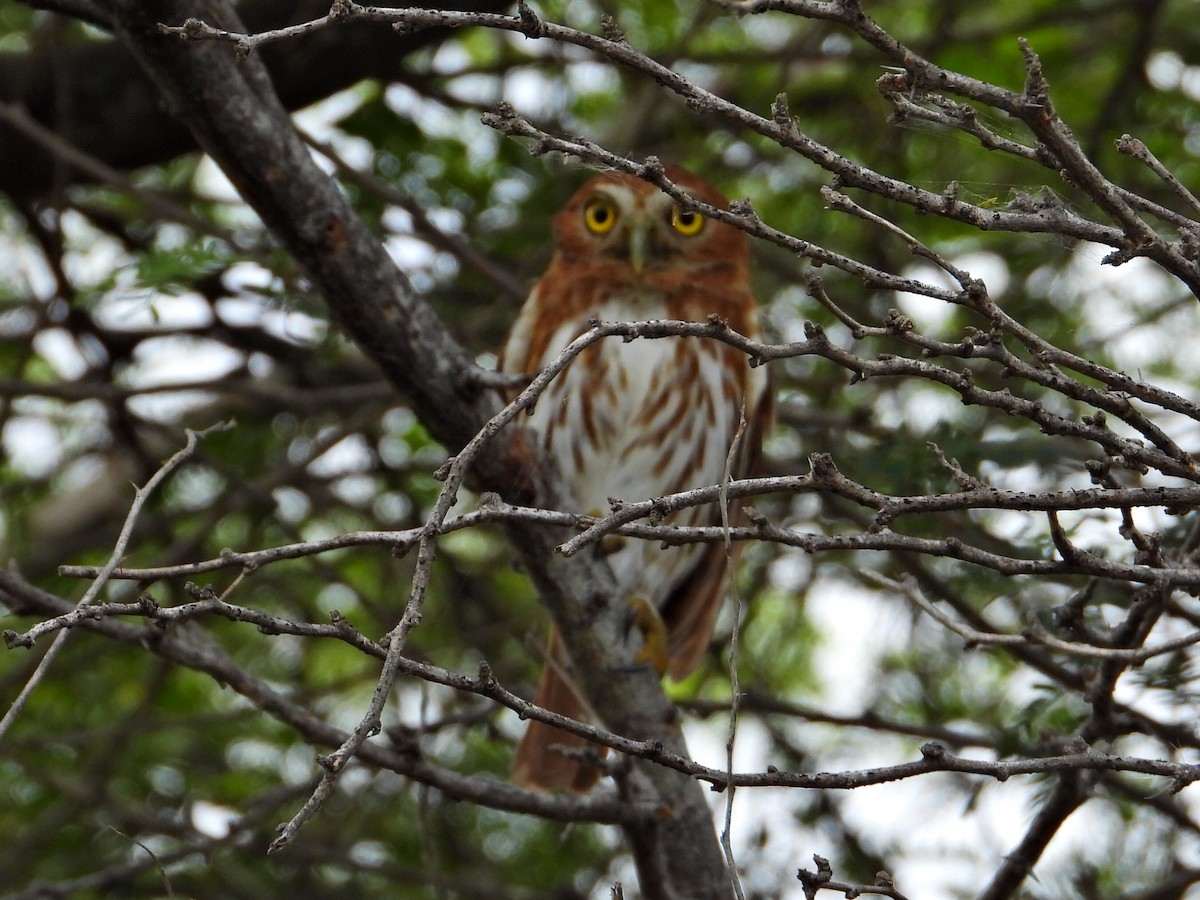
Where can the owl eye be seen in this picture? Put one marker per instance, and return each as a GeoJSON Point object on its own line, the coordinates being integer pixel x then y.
{"type": "Point", "coordinates": [599, 215]}
{"type": "Point", "coordinates": [686, 222]}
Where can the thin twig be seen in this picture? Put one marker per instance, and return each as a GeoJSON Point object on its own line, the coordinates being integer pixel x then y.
{"type": "Point", "coordinates": [824, 479]}
{"type": "Point", "coordinates": [822, 880]}
{"type": "Point", "coordinates": [140, 497]}
{"type": "Point", "coordinates": [1131, 146]}
{"type": "Point", "coordinates": [1033, 634]}
{"type": "Point", "coordinates": [731, 457]}
{"type": "Point", "coordinates": [842, 203]}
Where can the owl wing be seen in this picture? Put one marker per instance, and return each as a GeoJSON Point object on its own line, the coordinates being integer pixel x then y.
{"type": "Point", "coordinates": [690, 611]}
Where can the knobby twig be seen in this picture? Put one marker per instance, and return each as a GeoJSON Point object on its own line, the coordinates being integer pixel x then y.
{"type": "Point", "coordinates": [934, 756]}
{"type": "Point", "coordinates": [196, 652]}
{"type": "Point", "coordinates": [1031, 106]}
{"type": "Point", "coordinates": [1033, 634]}
{"type": "Point", "coordinates": [822, 880]}
{"type": "Point", "coordinates": [824, 478]}
{"type": "Point", "coordinates": [141, 495]}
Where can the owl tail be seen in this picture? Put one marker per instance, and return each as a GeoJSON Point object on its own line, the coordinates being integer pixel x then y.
{"type": "Point", "coordinates": [539, 762]}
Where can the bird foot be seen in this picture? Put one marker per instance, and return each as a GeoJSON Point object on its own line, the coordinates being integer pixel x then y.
{"type": "Point", "coordinates": [610, 544]}
{"type": "Point", "coordinates": [645, 618]}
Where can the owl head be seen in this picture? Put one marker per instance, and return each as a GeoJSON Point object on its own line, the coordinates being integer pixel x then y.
{"type": "Point", "coordinates": [619, 218]}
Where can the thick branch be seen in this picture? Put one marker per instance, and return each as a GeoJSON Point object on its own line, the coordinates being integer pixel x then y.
{"type": "Point", "coordinates": [231, 108]}
{"type": "Point", "coordinates": [93, 94]}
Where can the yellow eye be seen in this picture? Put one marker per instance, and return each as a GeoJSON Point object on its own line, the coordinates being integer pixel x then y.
{"type": "Point", "coordinates": [686, 222]}
{"type": "Point", "coordinates": [599, 215]}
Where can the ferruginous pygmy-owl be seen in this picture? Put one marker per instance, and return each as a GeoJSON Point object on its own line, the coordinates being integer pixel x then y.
{"type": "Point", "coordinates": [643, 418]}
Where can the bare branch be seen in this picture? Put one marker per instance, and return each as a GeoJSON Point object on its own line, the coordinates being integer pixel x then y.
{"type": "Point", "coordinates": [17, 118]}
{"type": "Point", "coordinates": [1131, 146]}
{"type": "Point", "coordinates": [1033, 634]}
{"type": "Point", "coordinates": [141, 495]}
{"type": "Point", "coordinates": [822, 880]}
{"type": "Point", "coordinates": [197, 652]}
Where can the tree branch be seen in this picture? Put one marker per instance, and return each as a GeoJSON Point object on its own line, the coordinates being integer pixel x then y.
{"type": "Point", "coordinates": [230, 107]}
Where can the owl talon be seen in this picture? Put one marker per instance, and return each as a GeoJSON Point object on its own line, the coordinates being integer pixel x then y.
{"type": "Point", "coordinates": [645, 618]}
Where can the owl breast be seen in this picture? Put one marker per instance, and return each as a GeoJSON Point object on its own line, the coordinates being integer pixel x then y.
{"type": "Point", "coordinates": [636, 420]}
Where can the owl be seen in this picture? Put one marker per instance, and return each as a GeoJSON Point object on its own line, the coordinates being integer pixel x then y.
{"type": "Point", "coordinates": [639, 419]}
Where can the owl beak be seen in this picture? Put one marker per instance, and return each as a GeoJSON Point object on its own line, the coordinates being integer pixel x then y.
{"type": "Point", "coordinates": [639, 244]}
